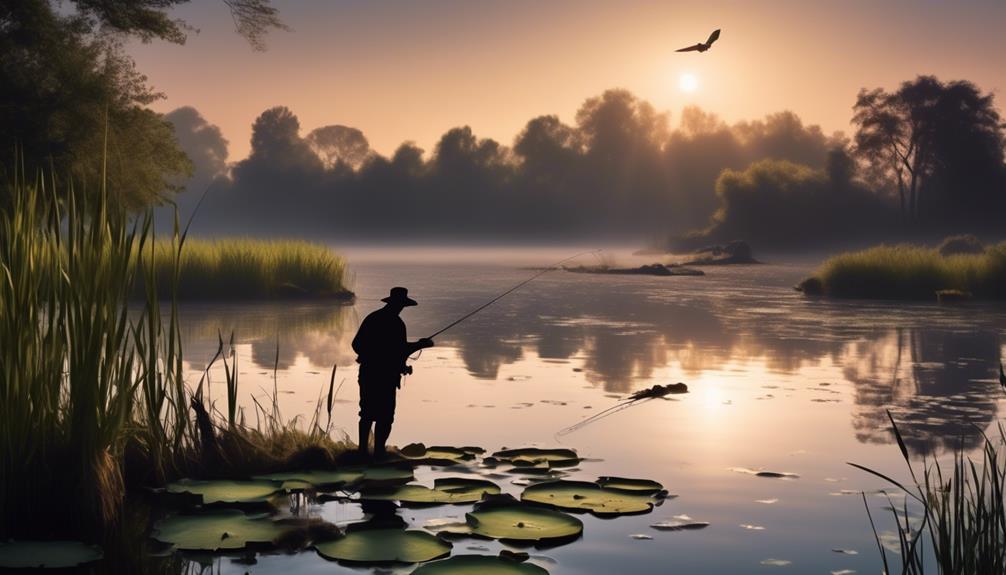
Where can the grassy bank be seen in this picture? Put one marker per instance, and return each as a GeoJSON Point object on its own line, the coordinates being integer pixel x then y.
{"type": "Point", "coordinates": [93, 402]}
{"type": "Point", "coordinates": [910, 272]}
{"type": "Point", "coordinates": [250, 269]}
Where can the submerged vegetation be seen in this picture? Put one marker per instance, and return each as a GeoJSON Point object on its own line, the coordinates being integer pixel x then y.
{"type": "Point", "coordinates": [250, 269]}
{"type": "Point", "coordinates": [910, 272]}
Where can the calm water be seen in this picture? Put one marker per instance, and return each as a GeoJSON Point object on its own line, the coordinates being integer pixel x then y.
{"type": "Point", "coordinates": [778, 382]}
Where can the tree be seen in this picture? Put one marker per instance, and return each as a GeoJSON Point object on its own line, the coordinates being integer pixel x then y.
{"type": "Point", "coordinates": [70, 98]}
{"type": "Point", "coordinates": [939, 144]}
{"type": "Point", "coordinates": [337, 145]}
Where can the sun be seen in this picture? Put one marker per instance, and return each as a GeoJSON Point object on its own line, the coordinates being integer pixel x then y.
{"type": "Point", "coordinates": [688, 82]}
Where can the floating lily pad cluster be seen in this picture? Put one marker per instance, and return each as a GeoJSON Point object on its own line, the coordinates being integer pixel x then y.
{"type": "Point", "coordinates": [448, 490]}
{"type": "Point", "coordinates": [602, 498]}
{"type": "Point", "coordinates": [439, 454]}
{"type": "Point", "coordinates": [534, 461]}
{"type": "Point", "coordinates": [216, 519]}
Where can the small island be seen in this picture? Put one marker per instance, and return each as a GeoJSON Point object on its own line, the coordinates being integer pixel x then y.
{"type": "Point", "coordinates": [247, 269]}
{"type": "Point", "coordinates": [959, 269]}
{"type": "Point", "coordinates": [733, 253]}
{"type": "Point", "coordinates": [655, 269]}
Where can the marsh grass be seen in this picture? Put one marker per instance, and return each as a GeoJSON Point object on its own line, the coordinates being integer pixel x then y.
{"type": "Point", "coordinates": [244, 268]}
{"type": "Point", "coordinates": [93, 403]}
{"type": "Point", "coordinates": [963, 505]}
{"type": "Point", "coordinates": [912, 272]}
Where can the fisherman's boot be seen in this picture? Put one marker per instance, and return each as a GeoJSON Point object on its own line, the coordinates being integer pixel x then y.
{"type": "Point", "coordinates": [382, 430]}
{"type": "Point", "coordinates": [364, 438]}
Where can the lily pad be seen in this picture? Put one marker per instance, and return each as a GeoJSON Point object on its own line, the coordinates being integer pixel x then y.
{"type": "Point", "coordinates": [506, 519]}
{"type": "Point", "coordinates": [322, 480]}
{"type": "Point", "coordinates": [585, 496]}
{"type": "Point", "coordinates": [385, 546]}
{"type": "Point", "coordinates": [453, 490]}
{"type": "Point", "coordinates": [381, 475]}
{"type": "Point", "coordinates": [680, 523]}
{"type": "Point", "coordinates": [438, 454]}
{"type": "Point", "coordinates": [533, 456]}
{"type": "Point", "coordinates": [46, 554]}
{"type": "Point", "coordinates": [481, 564]}
{"type": "Point", "coordinates": [216, 530]}
{"type": "Point", "coordinates": [227, 491]}
{"type": "Point", "coordinates": [627, 484]}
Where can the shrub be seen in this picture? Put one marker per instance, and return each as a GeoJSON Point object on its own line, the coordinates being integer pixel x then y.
{"type": "Point", "coordinates": [962, 244]}
{"type": "Point", "coordinates": [912, 272]}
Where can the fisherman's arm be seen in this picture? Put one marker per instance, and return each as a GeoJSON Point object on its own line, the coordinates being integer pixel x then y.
{"type": "Point", "coordinates": [414, 346]}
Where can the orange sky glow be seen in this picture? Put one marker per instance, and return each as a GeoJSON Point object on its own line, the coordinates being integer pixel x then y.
{"type": "Point", "coordinates": [412, 70]}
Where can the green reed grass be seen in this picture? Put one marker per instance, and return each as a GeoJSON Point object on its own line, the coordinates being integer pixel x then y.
{"type": "Point", "coordinates": [245, 268]}
{"type": "Point", "coordinates": [92, 396]}
{"type": "Point", "coordinates": [912, 272]}
{"type": "Point", "coordinates": [963, 511]}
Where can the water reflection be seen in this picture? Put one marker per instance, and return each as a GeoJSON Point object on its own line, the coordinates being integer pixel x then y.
{"type": "Point", "coordinates": [321, 332]}
{"type": "Point", "coordinates": [939, 385]}
{"type": "Point", "coordinates": [623, 332]}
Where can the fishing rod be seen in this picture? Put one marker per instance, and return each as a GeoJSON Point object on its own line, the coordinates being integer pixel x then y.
{"type": "Point", "coordinates": [509, 291]}
{"type": "Point", "coordinates": [545, 270]}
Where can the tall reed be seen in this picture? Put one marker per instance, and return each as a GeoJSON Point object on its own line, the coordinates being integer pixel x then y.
{"type": "Point", "coordinates": [79, 379]}
{"type": "Point", "coordinates": [92, 393]}
{"type": "Point", "coordinates": [963, 511]}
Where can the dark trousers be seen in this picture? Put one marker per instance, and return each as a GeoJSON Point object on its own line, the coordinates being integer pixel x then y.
{"type": "Point", "coordinates": [378, 391]}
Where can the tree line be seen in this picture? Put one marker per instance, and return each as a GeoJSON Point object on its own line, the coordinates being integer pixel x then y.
{"type": "Point", "coordinates": [925, 157]}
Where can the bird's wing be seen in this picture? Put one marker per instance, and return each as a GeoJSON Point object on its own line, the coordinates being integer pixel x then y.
{"type": "Point", "coordinates": [713, 37]}
{"type": "Point", "coordinates": [691, 48]}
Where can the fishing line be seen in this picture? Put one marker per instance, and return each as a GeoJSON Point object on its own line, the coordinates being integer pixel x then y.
{"type": "Point", "coordinates": [509, 291]}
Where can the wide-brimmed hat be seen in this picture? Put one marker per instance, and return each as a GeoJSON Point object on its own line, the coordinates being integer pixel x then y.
{"type": "Point", "coordinates": [400, 296]}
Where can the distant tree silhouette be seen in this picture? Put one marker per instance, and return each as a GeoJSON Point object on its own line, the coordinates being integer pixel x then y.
{"type": "Point", "coordinates": [339, 145]}
{"type": "Point", "coordinates": [940, 145]}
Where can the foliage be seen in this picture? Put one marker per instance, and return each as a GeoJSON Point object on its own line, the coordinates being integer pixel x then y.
{"type": "Point", "coordinates": [962, 244]}
{"type": "Point", "coordinates": [963, 511]}
{"type": "Point", "coordinates": [247, 268]}
{"type": "Point", "coordinates": [92, 398]}
{"type": "Point", "coordinates": [912, 272]}
{"type": "Point", "coordinates": [940, 145]}
{"type": "Point", "coordinates": [776, 203]}
{"type": "Point", "coordinates": [618, 169]}
{"type": "Point", "coordinates": [73, 102]}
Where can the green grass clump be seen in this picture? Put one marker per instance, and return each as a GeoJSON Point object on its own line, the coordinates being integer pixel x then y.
{"type": "Point", "coordinates": [251, 269]}
{"type": "Point", "coordinates": [913, 272]}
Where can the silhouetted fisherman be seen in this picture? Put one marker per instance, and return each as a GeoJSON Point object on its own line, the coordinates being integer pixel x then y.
{"type": "Point", "coordinates": [382, 349]}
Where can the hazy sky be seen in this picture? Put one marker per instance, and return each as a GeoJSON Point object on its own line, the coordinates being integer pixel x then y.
{"type": "Point", "coordinates": [410, 70]}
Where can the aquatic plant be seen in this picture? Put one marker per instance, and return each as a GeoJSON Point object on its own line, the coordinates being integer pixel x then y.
{"type": "Point", "coordinates": [963, 514]}
{"type": "Point", "coordinates": [92, 396]}
{"type": "Point", "coordinates": [245, 268]}
{"type": "Point", "coordinates": [910, 272]}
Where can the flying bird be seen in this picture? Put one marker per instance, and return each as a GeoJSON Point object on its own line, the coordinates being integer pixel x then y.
{"type": "Point", "coordinates": [702, 46]}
